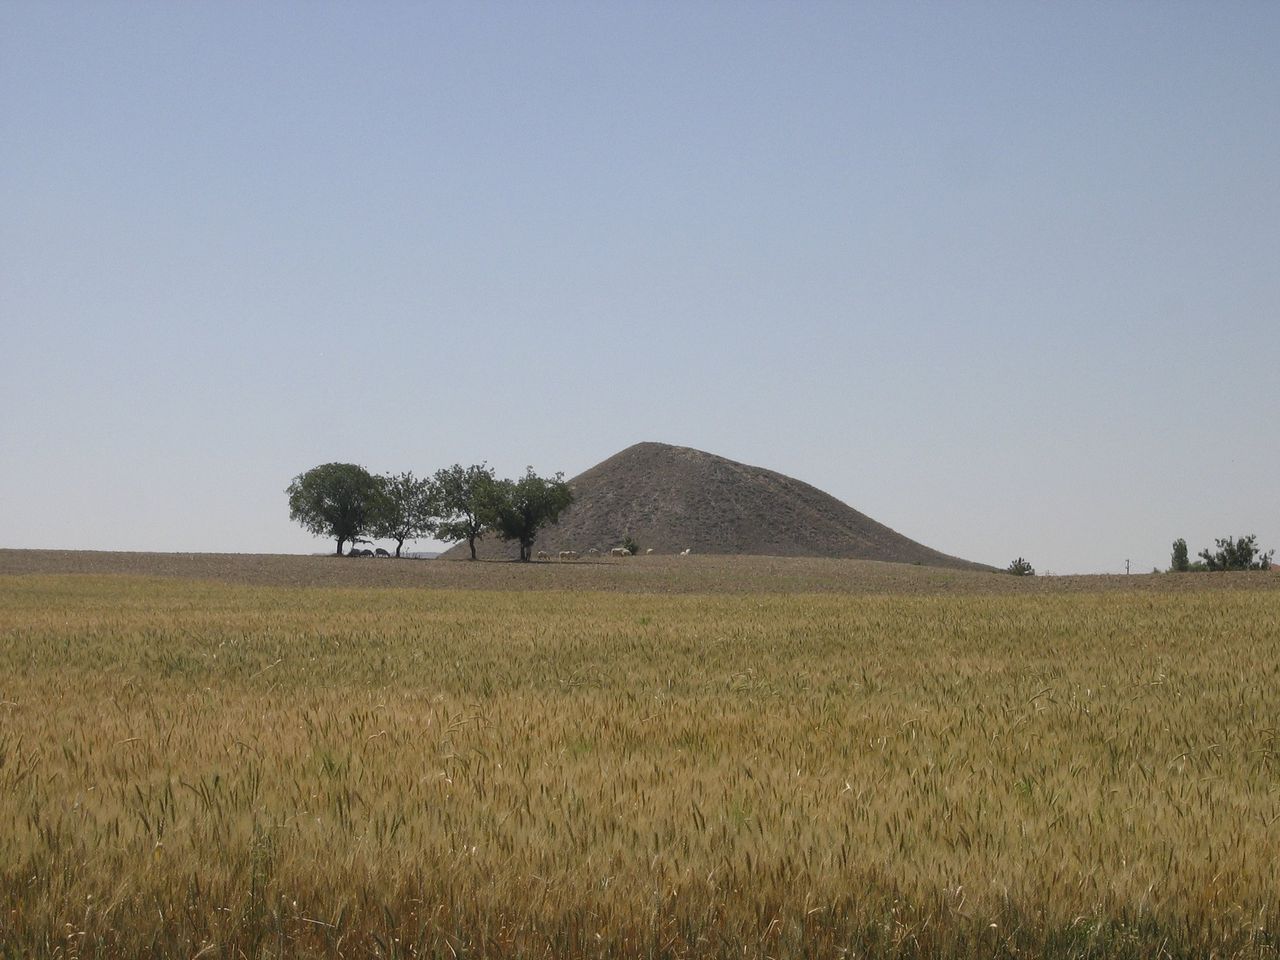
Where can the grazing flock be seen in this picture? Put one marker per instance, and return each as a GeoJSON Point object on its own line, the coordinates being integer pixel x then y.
{"type": "Point", "coordinates": [618, 552]}
{"type": "Point", "coordinates": [564, 555]}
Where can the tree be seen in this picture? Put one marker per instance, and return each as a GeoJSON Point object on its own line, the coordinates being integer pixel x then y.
{"type": "Point", "coordinates": [464, 503]}
{"type": "Point", "coordinates": [408, 509]}
{"type": "Point", "coordinates": [339, 500]}
{"type": "Point", "coordinates": [523, 507]}
{"type": "Point", "coordinates": [1181, 563]}
{"type": "Point", "coordinates": [1232, 554]}
{"type": "Point", "coordinates": [1021, 568]}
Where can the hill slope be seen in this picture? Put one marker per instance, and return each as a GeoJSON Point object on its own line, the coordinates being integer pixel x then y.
{"type": "Point", "coordinates": [672, 498]}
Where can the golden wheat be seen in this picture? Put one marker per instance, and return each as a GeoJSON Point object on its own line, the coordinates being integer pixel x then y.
{"type": "Point", "coordinates": [195, 768]}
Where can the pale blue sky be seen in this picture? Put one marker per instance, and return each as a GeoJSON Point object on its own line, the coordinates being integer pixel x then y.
{"type": "Point", "coordinates": [1003, 276]}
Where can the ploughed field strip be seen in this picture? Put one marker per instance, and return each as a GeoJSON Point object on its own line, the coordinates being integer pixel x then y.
{"type": "Point", "coordinates": [664, 574]}
{"type": "Point", "coordinates": [262, 771]}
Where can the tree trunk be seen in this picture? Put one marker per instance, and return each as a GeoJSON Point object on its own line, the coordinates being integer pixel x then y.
{"type": "Point", "coordinates": [472, 541]}
{"type": "Point", "coordinates": [399, 544]}
{"type": "Point", "coordinates": [338, 552]}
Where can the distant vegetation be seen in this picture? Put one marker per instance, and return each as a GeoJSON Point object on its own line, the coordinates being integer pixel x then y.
{"type": "Point", "coordinates": [465, 495]}
{"type": "Point", "coordinates": [338, 500]}
{"type": "Point", "coordinates": [1021, 568]}
{"type": "Point", "coordinates": [345, 502]}
{"type": "Point", "coordinates": [522, 507]}
{"type": "Point", "coordinates": [1229, 554]}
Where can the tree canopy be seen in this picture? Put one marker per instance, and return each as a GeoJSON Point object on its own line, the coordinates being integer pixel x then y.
{"type": "Point", "coordinates": [520, 508]}
{"type": "Point", "coordinates": [1233, 554]}
{"type": "Point", "coordinates": [339, 500]}
{"type": "Point", "coordinates": [344, 501]}
{"type": "Point", "coordinates": [408, 509]}
{"type": "Point", "coordinates": [465, 501]}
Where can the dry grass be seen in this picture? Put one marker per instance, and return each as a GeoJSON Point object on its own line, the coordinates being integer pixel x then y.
{"type": "Point", "coordinates": [202, 768]}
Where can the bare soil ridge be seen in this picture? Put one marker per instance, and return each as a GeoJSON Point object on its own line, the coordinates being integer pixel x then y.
{"type": "Point", "coordinates": [656, 575]}
{"type": "Point", "coordinates": [673, 498]}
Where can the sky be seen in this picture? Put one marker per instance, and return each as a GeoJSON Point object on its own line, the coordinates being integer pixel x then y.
{"type": "Point", "coordinates": [1003, 276]}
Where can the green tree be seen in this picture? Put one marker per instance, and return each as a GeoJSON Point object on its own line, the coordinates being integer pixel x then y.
{"type": "Point", "coordinates": [339, 500]}
{"type": "Point", "coordinates": [1232, 554]}
{"type": "Point", "coordinates": [523, 507]}
{"type": "Point", "coordinates": [1181, 563]}
{"type": "Point", "coordinates": [408, 509]}
{"type": "Point", "coordinates": [1021, 568]}
{"type": "Point", "coordinates": [464, 503]}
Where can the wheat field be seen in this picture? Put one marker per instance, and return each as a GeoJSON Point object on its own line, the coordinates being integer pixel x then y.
{"type": "Point", "coordinates": [208, 769]}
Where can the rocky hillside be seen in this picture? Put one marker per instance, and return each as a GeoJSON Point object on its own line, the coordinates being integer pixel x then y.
{"type": "Point", "coordinates": [676, 498]}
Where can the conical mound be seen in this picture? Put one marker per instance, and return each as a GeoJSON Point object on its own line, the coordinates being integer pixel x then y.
{"type": "Point", "coordinates": [675, 498]}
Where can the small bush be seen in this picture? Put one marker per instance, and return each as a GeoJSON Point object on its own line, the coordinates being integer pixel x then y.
{"type": "Point", "coordinates": [1021, 568]}
{"type": "Point", "coordinates": [629, 544]}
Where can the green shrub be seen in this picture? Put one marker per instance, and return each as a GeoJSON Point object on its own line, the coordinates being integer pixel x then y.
{"type": "Point", "coordinates": [1021, 568]}
{"type": "Point", "coordinates": [1241, 554]}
